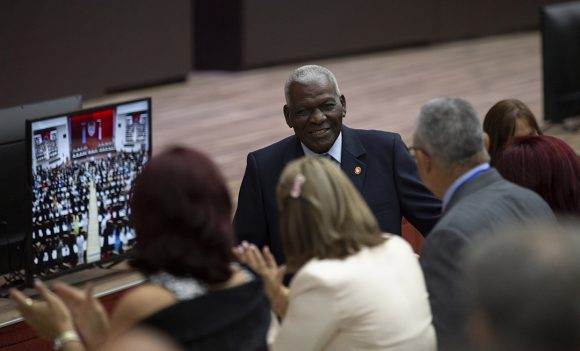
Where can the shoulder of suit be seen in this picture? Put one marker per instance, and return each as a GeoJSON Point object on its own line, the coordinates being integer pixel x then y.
{"type": "Point", "coordinates": [528, 197]}
{"type": "Point", "coordinates": [333, 271]}
{"type": "Point", "coordinates": [318, 274]}
{"type": "Point", "coordinates": [374, 133]}
{"type": "Point", "coordinates": [276, 149]}
{"type": "Point", "coordinates": [372, 138]}
{"type": "Point", "coordinates": [508, 189]}
{"type": "Point", "coordinates": [490, 205]}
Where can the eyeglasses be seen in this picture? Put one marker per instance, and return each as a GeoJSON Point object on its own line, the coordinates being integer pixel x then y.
{"type": "Point", "coordinates": [413, 151]}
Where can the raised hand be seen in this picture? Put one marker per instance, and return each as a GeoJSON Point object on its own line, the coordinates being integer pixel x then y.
{"type": "Point", "coordinates": [89, 314]}
{"type": "Point", "coordinates": [265, 265]}
{"type": "Point", "coordinates": [49, 318]}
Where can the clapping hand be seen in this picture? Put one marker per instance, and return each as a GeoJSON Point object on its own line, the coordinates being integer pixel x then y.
{"type": "Point", "coordinates": [89, 314]}
{"type": "Point", "coordinates": [265, 265]}
{"type": "Point", "coordinates": [48, 318]}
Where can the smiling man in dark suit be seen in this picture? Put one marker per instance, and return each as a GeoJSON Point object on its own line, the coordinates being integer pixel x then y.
{"type": "Point", "coordinates": [378, 163]}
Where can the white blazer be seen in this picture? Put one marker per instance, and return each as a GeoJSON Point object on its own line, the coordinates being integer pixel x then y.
{"type": "Point", "coordinates": [375, 299]}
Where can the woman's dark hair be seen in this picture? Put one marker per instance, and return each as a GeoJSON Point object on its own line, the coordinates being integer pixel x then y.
{"type": "Point", "coordinates": [500, 124]}
{"type": "Point", "coordinates": [181, 212]}
{"type": "Point", "coordinates": [546, 165]}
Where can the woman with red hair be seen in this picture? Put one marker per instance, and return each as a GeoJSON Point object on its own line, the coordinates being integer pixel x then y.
{"type": "Point", "coordinates": [194, 292]}
{"type": "Point", "coordinates": [546, 165]}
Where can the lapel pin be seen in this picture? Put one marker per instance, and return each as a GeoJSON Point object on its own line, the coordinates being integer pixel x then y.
{"type": "Point", "coordinates": [357, 170]}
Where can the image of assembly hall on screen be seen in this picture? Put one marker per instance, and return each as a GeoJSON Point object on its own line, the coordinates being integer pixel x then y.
{"type": "Point", "coordinates": [83, 166]}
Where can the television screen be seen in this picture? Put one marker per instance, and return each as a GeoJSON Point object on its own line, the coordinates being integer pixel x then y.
{"type": "Point", "coordinates": [82, 167]}
{"type": "Point", "coordinates": [13, 174]}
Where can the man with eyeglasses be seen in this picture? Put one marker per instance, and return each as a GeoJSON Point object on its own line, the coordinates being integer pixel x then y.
{"type": "Point", "coordinates": [377, 163]}
{"type": "Point", "coordinates": [448, 145]}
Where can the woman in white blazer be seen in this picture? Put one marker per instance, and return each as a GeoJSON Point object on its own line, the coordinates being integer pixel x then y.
{"type": "Point", "coordinates": [354, 288]}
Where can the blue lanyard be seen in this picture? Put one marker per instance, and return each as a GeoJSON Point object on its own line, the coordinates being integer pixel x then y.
{"type": "Point", "coordinates": [447, 197]}
{"type": "Point", "coordinates": [470, 178]}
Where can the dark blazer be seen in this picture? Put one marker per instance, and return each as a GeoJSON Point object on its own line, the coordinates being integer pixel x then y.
{"type": "Point", "coordinates": [475, 211]}
{"type": "Point", "coordinates": [388, 182]}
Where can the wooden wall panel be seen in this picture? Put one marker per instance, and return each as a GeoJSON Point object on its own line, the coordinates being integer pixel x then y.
{"type": "Point", "coordinates": [55, 48]}
{"type": "Point", "coordinates": [242, 34]}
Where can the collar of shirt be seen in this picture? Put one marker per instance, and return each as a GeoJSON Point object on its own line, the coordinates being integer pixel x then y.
{"type": "Point", "coordinates": [335, 151]}
{"type": "Point", "coordinates": [466, 177]}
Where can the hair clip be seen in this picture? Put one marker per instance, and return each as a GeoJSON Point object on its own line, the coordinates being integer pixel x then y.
{"type": "Point", "coordinates": [297, 186]}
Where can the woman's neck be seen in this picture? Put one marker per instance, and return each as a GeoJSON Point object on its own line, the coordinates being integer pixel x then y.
{"type": "Point", "coordinates": [238, 277]}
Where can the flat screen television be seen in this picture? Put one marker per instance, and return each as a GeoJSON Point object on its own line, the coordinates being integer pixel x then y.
{"type": "Point", "coordinates": [13, 173]}
{"type": "Point", "coordinates": [81, 168]}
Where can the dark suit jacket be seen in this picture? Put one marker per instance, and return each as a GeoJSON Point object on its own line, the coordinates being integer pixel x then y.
{"type": "Point", "coordinates": [388, 182]}
{"type": "Point", "coordinates": [477, 210]}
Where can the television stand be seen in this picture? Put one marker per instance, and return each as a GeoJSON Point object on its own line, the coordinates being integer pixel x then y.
{"type": "Point", "coordinates": [11, 280]}
{"type": "Point", "coordinates": [110, 264]}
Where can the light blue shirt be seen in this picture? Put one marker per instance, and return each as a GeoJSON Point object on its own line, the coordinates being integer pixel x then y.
{"type": "Point", "coordinates": [335, 151]}
{"type": "Point", "coordinates": [462, 180]}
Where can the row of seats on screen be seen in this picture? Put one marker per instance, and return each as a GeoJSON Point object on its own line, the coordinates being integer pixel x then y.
{"type": "Point", "coordinates": [61, 206]}
{"type": "Point", "coordinates": [114, 184]}
{"type": "Point", "coordinates": [60, 192]}
{"type": "Point", "coordinates": [51, 255]}
{"type": "Point", "coordinates": [116, 204]}
{"type": "Point", "coordinates": [111, 176]}
{"type": "Point", "coordinates": [66, 222]}
{"type": "Point", "coordinates": [84, 151]}
{"type": "Point", "coordinates": [135, 132]}
{"type": "Point", "coordinates": [72, 224]}
{"type": "Point", "coordinates": [46, 151]}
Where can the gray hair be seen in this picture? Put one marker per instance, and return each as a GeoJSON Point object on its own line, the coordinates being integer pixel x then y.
{"type": "Point", "coordinates": [307, 74]}
{"type": "Point", "coordinates": [450, 131]}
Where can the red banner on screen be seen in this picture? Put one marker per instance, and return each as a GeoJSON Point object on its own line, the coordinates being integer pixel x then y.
{"type": "Point", "coordinates": [92, 129]}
